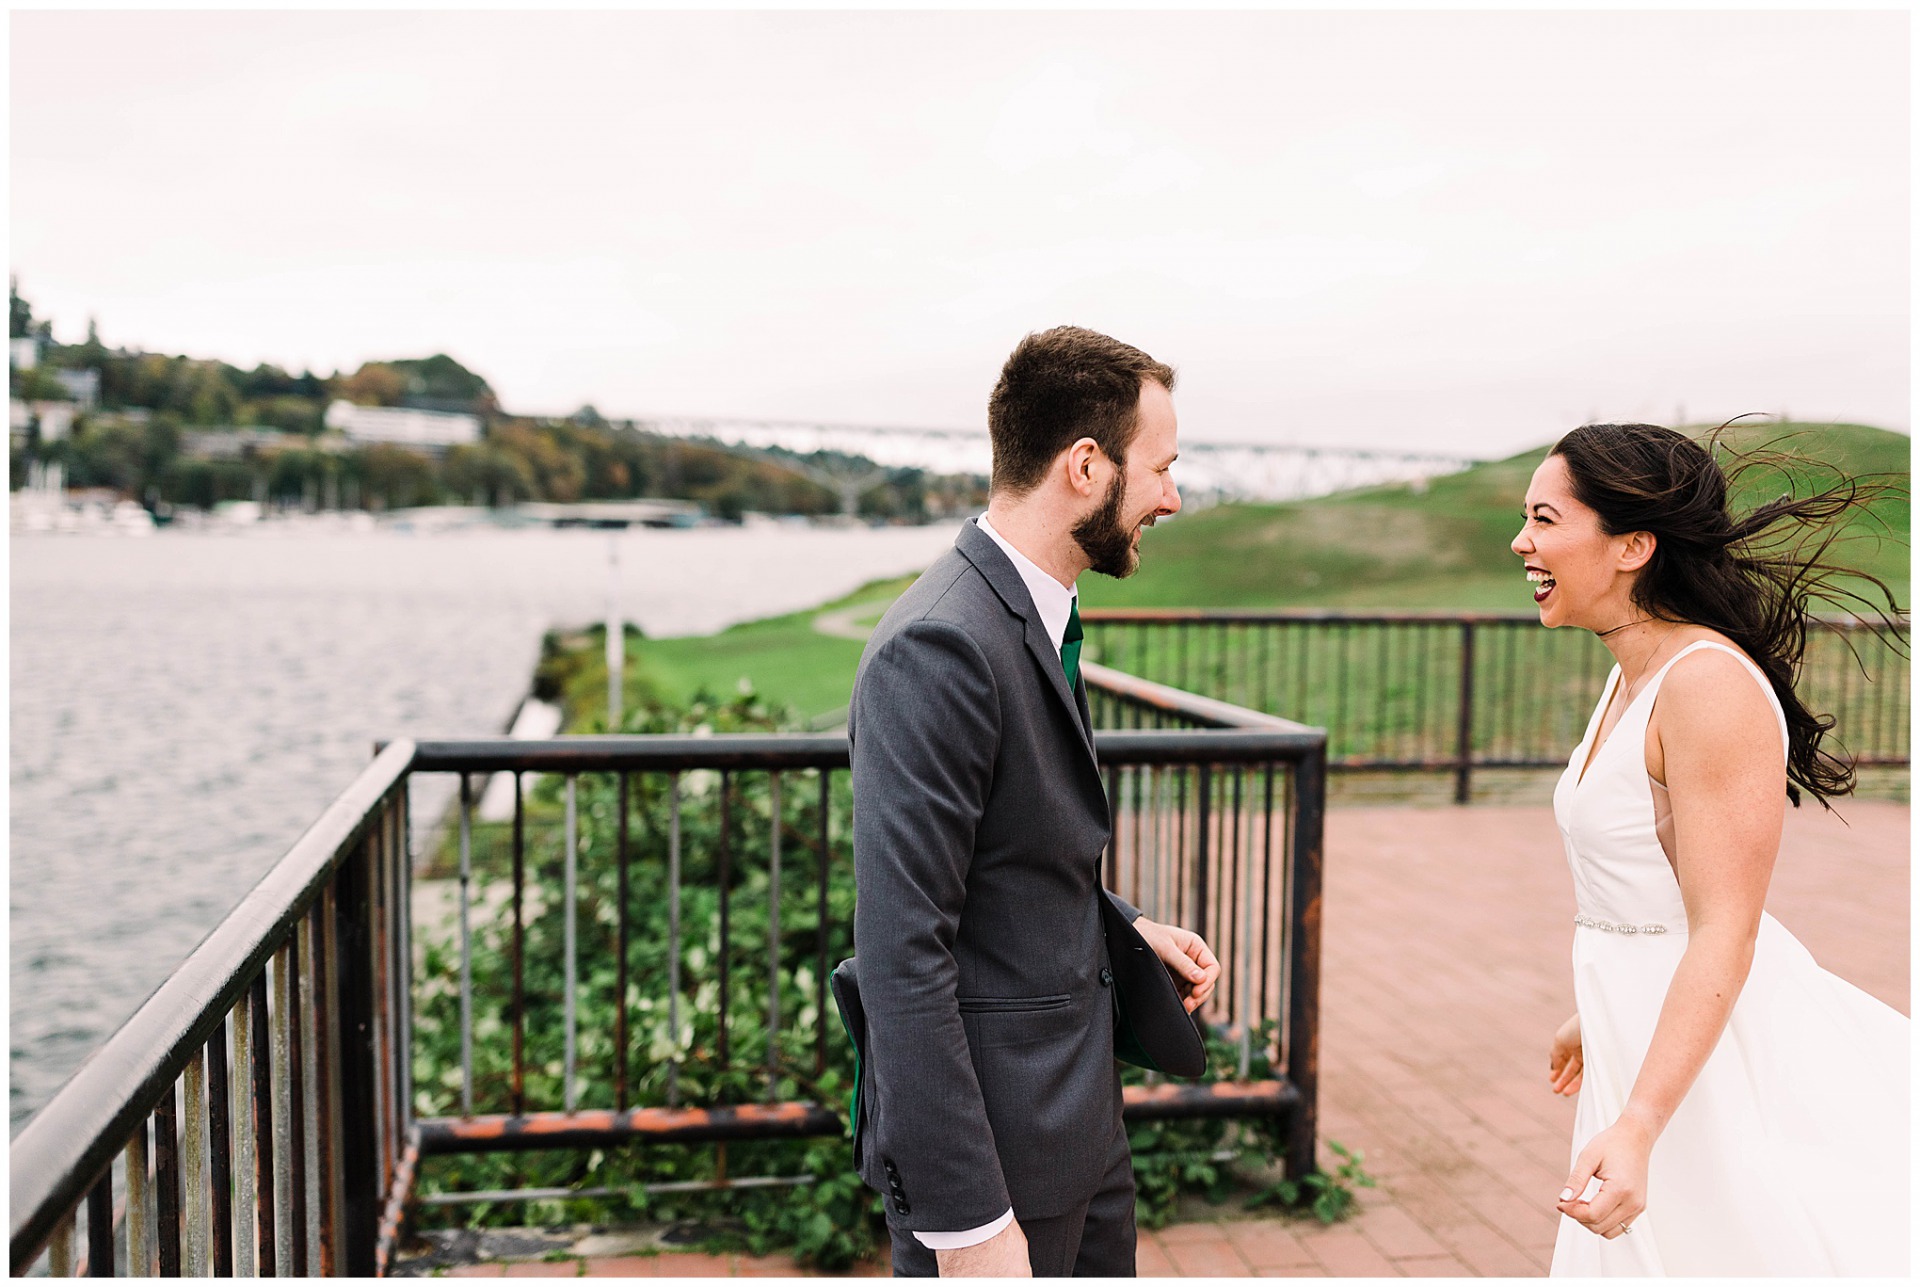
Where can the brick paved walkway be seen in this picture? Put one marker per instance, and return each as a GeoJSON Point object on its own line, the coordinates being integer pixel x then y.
{"type": "Point", "coordinates": [1445, 972]}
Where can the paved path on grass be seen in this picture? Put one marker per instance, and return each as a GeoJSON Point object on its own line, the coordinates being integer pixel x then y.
{"type": "Point", "coordinates": [1447, 934]}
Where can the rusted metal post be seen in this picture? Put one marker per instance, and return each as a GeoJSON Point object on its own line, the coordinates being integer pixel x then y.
{"type": "Point", "coordinates": [166, 1177]}
{"type": "Point", "coordinates": [1303, 960]}
{"type": "Point", "coordinates": [359, 1103]}
{"type": "Point", "coordinates": [1463, 740]}
{"type": "Point", "coordinates": [100, 1227]}
{"type": "Point", "coordinates": [220, 1149]}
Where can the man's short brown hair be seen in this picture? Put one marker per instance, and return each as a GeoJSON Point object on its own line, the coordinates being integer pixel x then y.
{"type": "Point", "coordinates": [1058, 387]}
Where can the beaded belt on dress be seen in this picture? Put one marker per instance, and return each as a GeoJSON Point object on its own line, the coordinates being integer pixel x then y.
{"type": "Point", "coordinates": [1611, 928]}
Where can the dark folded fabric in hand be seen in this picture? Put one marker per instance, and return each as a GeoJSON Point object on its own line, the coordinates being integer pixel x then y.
{"type": "Point", "coordinates": [844, 983]}
{"type": "Point", "coordinates": [1151, 1026]}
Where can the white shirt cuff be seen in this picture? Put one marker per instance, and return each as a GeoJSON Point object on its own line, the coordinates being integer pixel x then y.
{"type": "Point", "coordinates": [966, 1237]}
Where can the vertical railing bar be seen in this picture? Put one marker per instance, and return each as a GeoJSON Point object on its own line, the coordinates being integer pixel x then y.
{"type": "Point", "coordinates": [1179, 855]}
{"type": "Point", "coordinates": [1242, 865]}
{"type": "Point", "coordinates": [393, 915]}
{"type": "Point", "coordinates": [773, 937]}
{"type": "Point", "coordinates": [466, 944]}
{"type": "Point", "coordinates": [1302, 656]}
{"type": "Point", "coordinates": [1248, 633]}
{"type": "Point", "coordinates": [673, 935]}
{"type": "Point", "coordinates": [1138, 885]}
{"type": "Point", "coordinates": [378, 1031]}
{"type": "Point", "coordinates": [724, 880]}
{"type": "Point", "coordinates": [570, 946]}
{"type": "Point", "coordinates": [1507, 699]}
{"type": "Point", "coordinates": [1463, 749]}
{"type": "Point", "coordinates": [1164, 898]}
{"type": "Point", "coordinates": [1303, 966]}
{"type": "Point", "coordinates": [285, 1211]}
{"type": "Point", "coordinates": [323, 1061]}
{"type": "Point", "coordinates": [300, 1123]}
{"type": "Point", "coordinates": [332, 1240]}
{"type": "Point", "coordinates": [263, 1117]}
{"type": "Point", "coordinates": [220, 1137]}
{"type": "Point", "coordinates": [139, 1196]}
{"type": "Point", "coordinates": [60, 1257]}
{"type": "Point", "coordinates": [1420, 653]}
{"type": "Point", "coordinates": [1237, 896]}
{"type": "Point", "coordinates": [100, 1226]}
{"type": "Point", "coordinates": [1343, 690]}
{"type": "Point", "coordinates": [1204, 805]}
{"type": "Point", "coordinates": [820, 968]}
{"type": "Point", "coordinates": [243, 1135]}
{"type": "Point", "coordinates": [360, 1200]}
{"type": "Point", "coordinates": [193, 1167]}
{"type": "Point", "coordinates": [620, 949]}
{"type": "Point", "coordinates": [1391, 740]}
{"type": "Point", "coordinates": [519, 1094]}
{"type": "Point", "coordinates": [403, 803]}
{"type": "Point", "coordinates": [1270, 905]}
{"type": "Point", "coordinates": [166, 1182]}
{"type": "Point", "coordinates": [1113, 828]}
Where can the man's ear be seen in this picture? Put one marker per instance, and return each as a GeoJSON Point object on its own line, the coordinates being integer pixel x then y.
{"type": "Point", "coordinates": [1086, 465]}
{"type": "Point", "coordinates": [1637, 550]}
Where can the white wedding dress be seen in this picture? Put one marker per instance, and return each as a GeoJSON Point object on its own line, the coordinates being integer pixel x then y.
{"type": "Point", "coordinates": [1789, 1153]}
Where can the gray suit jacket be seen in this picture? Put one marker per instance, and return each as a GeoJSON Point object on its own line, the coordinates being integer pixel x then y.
{"type": "Point", "coordinates": [979, 821]}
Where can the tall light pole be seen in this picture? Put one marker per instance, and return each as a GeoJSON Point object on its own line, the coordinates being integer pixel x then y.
{"type": "Point", "coordinates": [616, 633]}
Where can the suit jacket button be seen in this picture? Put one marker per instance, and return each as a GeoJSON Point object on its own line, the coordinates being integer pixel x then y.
{"type": "Point", "coordinates": [903, 1208]}
{"type": "Point", "coordinates": [1106, 977]}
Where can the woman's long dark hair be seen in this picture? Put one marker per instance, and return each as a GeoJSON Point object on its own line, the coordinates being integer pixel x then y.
{"type": "Point", "coordinates": [1754, 577]}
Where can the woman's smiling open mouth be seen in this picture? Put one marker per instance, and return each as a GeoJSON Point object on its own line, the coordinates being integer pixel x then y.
{"type": "Point", "coordinates": [1545, 582]}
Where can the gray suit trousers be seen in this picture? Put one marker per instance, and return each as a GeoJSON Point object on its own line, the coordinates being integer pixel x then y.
{"type": "Point", "coordinates": [1094, 1240]}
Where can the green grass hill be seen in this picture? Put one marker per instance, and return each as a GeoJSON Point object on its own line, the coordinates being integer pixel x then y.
{"type": "Point", "coordinates": [1442, 545]}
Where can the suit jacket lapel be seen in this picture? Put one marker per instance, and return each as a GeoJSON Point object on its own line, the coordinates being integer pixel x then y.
{"type": "Point", "coordinates": [1005, 580]}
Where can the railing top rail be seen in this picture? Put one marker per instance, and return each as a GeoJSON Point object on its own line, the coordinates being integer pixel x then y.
{"type": "Point", "coordinates": [1206, 711]}
{"type": "Point", "coordinates": [67, 1144]}
{"type": "Point", "coordinates": [1208, 745]}
{"type": "Point", "coordinates": [633, 752]}
{"type": "Point", "coordinates": [1257, 737]}
{"type": "Point", "coordinates": [1236, 616]}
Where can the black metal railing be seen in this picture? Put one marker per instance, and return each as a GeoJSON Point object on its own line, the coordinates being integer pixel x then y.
{"type": "Point", "coordinates": [248, 1119]}
{"type": "Point", "coordinates": [1218, 819]}
{"type": "Point", "coordinates": [1460, 692]}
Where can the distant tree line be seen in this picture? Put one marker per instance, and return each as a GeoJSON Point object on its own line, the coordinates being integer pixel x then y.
{"type": "Point", "coordinates": [133, 439]}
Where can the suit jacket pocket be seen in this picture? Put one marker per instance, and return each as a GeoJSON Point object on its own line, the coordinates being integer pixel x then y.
{"type": "Point", "coordinates": [1012, 1005]}
{"type": "Point", "coordinates": [1049, 1083]}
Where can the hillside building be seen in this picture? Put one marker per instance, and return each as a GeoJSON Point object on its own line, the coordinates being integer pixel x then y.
{"type": "Point", "coordinates": [403, 426]}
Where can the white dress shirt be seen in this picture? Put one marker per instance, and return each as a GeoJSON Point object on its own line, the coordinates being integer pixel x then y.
{"type": "Point", "coordinates": [1055, 603]}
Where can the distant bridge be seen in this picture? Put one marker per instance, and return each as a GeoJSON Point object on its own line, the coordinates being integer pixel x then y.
{"type": "Point", "coordinates": [1207, 470]}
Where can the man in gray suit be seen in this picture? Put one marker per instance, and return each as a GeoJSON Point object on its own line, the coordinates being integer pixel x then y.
{"type": "Point", "coordinates": [990, 1102]}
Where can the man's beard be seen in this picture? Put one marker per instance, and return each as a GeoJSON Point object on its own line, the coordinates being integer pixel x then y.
{"type": "Point", "coordinates": [1104, 539]}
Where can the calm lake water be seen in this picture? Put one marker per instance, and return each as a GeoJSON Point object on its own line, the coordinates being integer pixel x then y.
{"type": "Point", "coordinates": [183, 706]}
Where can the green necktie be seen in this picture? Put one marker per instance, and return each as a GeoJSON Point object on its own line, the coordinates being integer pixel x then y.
{"type": "Point", "coordinates": [1070, 645]}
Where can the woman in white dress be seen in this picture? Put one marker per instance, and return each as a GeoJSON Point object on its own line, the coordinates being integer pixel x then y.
{"type": "Point", "coordinates": [1741, 1111]}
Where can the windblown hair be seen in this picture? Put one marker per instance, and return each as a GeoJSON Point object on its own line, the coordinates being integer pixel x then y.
{"type": "Point", "coordinates": [1058, 387]}
{"type": "Point", "coordinates": [1753, 577]}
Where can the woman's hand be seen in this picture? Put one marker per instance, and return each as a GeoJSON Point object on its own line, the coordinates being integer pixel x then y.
{"type": "Point", "coordinates": [1565, 1059]}
{"type": "Point", "coordinates": [1617, 1157]}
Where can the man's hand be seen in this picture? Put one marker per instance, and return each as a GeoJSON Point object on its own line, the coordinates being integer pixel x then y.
{"type": "Point", "coordinates": [1187, 955]}
{"type": "Point", "coordinates": [1002, 1256]}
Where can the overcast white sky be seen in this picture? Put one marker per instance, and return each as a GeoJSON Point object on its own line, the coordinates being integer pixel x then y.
{"type": "Point", "coordinates": [1392, 229]}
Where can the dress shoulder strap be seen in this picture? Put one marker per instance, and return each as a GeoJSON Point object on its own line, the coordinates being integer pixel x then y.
{"type": "Point", "coordinates": [1760, 677]}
